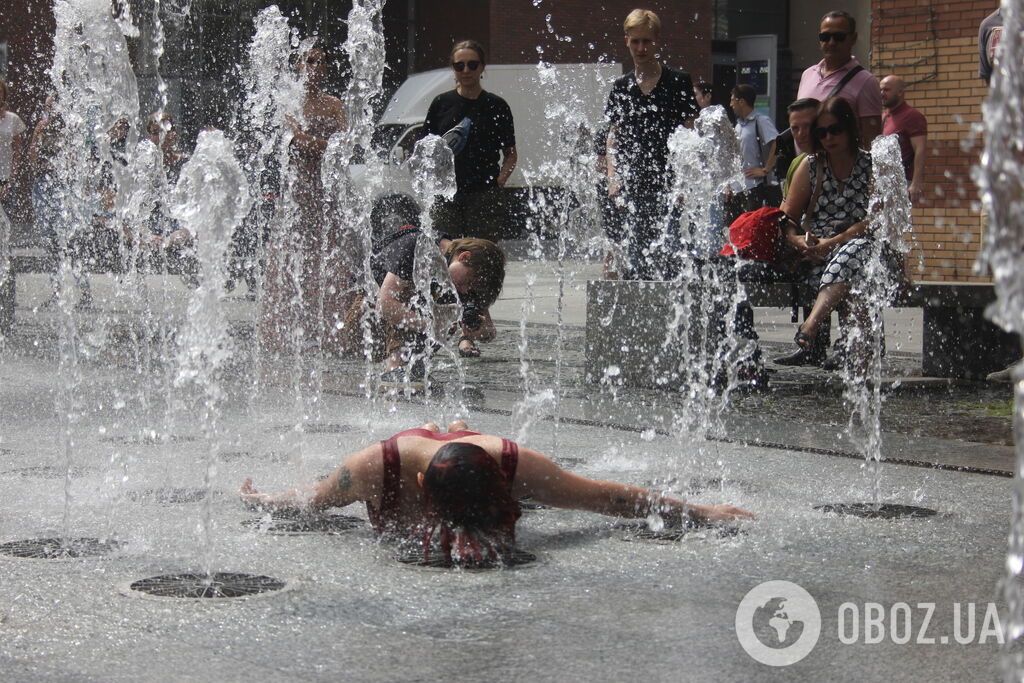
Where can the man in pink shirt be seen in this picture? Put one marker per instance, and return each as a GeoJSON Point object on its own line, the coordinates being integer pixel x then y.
{"type": "Point", "coordinates": [832, 75]}
{"type": "Point", "coordinates": [910, 125]}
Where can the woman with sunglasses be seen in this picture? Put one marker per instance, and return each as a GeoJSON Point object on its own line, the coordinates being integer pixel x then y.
{"type": "Point", "coordinates": [485, 153]}
{"type": "Point", "coordinates": [458, 493]}
{"type": "Point", "coordinates": [831, 187]}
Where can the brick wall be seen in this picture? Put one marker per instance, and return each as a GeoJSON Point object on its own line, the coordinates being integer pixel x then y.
{"type": "Point", "coordinates": [933, 47]}
{"type": "Point", "coordinates": [518, 28]}
{"type": "Point", "coordinates": [513, 30]}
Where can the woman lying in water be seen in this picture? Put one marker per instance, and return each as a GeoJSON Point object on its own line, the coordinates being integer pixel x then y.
{"type": "Point", "coordinates": [458, 492]}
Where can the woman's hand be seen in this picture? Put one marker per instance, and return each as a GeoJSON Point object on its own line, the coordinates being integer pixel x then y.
{"type": "Point", "coordinates": [818, 250]}
{"type": "Point", "coordinates": [713, 513]}
{"type": "Point", "coordinates": [253, 498]}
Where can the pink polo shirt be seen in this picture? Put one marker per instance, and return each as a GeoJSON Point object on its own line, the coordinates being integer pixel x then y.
{"type": "Point", "coordinates": [862, 91]}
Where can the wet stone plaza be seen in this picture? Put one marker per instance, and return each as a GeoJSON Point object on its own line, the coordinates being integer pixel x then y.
{"type": "Point", "coordinates": [188, 325]}
{"type": "Point", "coordinates": [169, 577]}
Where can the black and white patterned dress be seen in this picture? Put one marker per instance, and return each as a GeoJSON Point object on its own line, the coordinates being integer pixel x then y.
{"type": "Point", "coordinates": [841, 204]}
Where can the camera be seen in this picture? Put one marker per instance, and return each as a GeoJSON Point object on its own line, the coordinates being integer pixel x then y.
{"type": "Point", "coordinates": [471, 316]}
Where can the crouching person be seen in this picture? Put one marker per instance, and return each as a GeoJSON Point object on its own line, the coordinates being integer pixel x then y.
{"type": "Point", "coordinates": [476, 268]}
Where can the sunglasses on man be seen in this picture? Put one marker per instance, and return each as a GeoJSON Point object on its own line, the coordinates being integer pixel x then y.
{"type": "Point", "coordinates": [826, 36]}
{"type": "Point", "coordinates": [472, 66]}
{"type": "Point", "coordinates": [834, 130]}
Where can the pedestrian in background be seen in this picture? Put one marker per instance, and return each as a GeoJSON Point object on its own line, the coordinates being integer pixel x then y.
{"type": "Point", "coordinates": [486, 154]}
{"type": "Point", "coordinates": [911, 127]}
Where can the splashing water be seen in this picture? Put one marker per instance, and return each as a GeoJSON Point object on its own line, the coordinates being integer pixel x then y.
{"type": "Point", "coordinates": [210, 200]}
{"type": "Point", "coordinates": [707, 290]}
{"type": "Point", "coordinates": [863, 342]}
{"type": "Point", "coordinates": [95, 87]}
{"type": "Point", "coordinates": [1002, 195]}
{"type": "Point", "coordinates": [432, 166]}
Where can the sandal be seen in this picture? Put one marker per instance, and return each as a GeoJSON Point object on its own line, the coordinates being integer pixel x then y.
{"type": "Point", "coordinates": [803, 340]}
{"type": "Point", "coordinates": [470, 351]}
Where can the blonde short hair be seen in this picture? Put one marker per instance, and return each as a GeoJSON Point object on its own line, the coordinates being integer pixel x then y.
{"type": "Point", "coordinates": [642, 18]}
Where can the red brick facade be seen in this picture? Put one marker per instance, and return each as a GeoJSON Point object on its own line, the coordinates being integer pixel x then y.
{"type": "Point", "coordinates": [933, 46]}
{"type": "Point", "coordinates": [513, 30]}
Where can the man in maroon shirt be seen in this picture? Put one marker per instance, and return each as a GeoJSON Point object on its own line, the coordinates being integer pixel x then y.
{"type": "Point", "coordinates": [910, 125]}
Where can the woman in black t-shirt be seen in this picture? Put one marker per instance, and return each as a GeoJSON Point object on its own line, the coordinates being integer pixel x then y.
{"type": "Point", "coordinates": [486, 155]}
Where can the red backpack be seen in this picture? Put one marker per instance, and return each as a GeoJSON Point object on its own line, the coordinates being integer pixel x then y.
{"type": "Point", "coordinates": [754, 235]}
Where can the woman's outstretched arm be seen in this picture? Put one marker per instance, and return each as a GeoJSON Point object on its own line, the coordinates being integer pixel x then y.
{"type": "Point", "coordinates": [544, 481]}
{"type": "Point", "coordinates": [357, 478]}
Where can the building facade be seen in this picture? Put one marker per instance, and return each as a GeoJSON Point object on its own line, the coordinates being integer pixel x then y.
{"type": "Point", "coordinates": [933, 46]}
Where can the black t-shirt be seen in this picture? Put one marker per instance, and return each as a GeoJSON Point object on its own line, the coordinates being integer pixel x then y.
{"type": "Point", "coordinates": [477, 165]}
{"type": "Point", "coordinates": [643, 124]}
{"type": "Point", "coordinates": [396, 253]}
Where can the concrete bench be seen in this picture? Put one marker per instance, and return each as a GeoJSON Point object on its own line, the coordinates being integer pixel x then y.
{"type": "Point", "coordinates": [627, 324]}
{"type": "Point", "coordinates": [23, 260]}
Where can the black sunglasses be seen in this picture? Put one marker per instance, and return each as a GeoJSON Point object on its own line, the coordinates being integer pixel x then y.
{"type": "Point", "coordinates": [472, 66]}
{"type": "Point", "coordinates": [825, 36]}
{"type": "Point", "coordinates": [834, 129]}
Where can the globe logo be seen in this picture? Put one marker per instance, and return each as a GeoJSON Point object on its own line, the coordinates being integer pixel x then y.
{"type": "Point", "coordinates": [778, 623]}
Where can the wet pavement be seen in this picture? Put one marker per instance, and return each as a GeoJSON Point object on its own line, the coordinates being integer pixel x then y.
{"type": "Point", "coordinates": [601, 603]}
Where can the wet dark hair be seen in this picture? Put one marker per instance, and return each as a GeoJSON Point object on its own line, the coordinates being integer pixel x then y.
{"type": "Point", "coordinates": [840, 14]}
{"type": "Point", "coordinates": [843, 112]}
{"type": "Point", "coordinates": [704, 87]}
{"type": "Point", "coordinates": [469, 507]}
{"type": "Point", "coordinates": [746, 93]}
{"type": "Point", "coordinates": [488, 263]}
{"type": "Point", "coordinates": [469, 45]}
{"type": "Point", "coordinates": [803, 103]}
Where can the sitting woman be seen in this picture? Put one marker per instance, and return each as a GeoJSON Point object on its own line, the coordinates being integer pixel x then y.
{"type": "Point", "coordinates": [477, 270]}
{"type": "Point", "coordinates": [458, 492]}
{"type": "Point", "coordinates": [830, 191]}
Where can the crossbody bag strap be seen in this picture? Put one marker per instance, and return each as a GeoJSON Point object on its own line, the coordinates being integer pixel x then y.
{"type": "Point", "coordinates": [846, 79]}
{"type": "Point", "coordinates": [819, 182]}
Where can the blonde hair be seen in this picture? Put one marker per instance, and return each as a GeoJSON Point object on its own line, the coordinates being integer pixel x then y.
{"type": "Point", "coordinates": [488, 263]}
{"type": "Point", "coordinates": [642, 18]}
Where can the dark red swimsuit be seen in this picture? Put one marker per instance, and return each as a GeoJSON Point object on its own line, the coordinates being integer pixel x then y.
{"type": "Point", "coordinates": [385, 518]}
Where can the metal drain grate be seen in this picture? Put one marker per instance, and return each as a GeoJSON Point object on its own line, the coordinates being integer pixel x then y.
{"type": "Point", "coordinates": [692, 531]}
{"type": "Point", "coordinates": [216, 585]}
{"type": "Point", "coordinates": [326, 428]}
{"type": "Point", "coordinates": [414, 556]}
{"type": "Point", "coordinates": [169, 496]}
{"type": "Point", "coordinates": [872, 511]}
{"type": "Point", "coordinates": [307, 524]}
{"type": "Point", "coordinates": [60, 548]}
{"type": "Point", "coordinates": [314, 428]}
{"type": "Point", "coordinates": [49, 472]}
{"type": "Point", "coordinates": [150, 439]}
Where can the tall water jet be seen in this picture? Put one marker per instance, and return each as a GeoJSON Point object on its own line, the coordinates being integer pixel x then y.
{"type": "Point", "coordinates": [707, 290]}
{"type": "Point", "coordinates": [351, 186]}
{"type": "Point", "coordinates": [272, 93]}
{"type": "Point", "coordinates": [1002, 194]}
{"type": "Point", "coordinates": [210, 200]}
{"type": "Point", "coordinates": [863, 340]}
{"type": "Point", "coordinates": [95, 87]}
{"type": "Point", "coordinates": [571, 214]}
{"type": "Point", "coordinates": [432, 170]}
